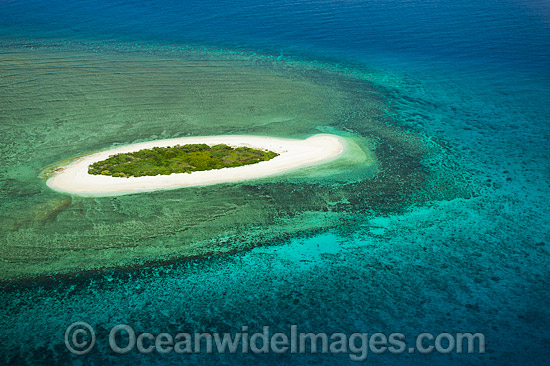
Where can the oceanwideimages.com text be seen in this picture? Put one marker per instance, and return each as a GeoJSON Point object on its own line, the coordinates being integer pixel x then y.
{"type": "Point", "coordinates": [80, 339]}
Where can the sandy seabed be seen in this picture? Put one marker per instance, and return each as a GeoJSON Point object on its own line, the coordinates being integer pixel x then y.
{"type": "Point", "coordinates": [293, 154]}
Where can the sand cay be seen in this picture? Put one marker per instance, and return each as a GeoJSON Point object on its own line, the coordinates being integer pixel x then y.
{"type": "Point", "coordinates": [294, 154]}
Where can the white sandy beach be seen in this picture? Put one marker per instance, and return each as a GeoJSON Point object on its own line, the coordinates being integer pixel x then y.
{"type": "Point", "coordinates": [74, 178]}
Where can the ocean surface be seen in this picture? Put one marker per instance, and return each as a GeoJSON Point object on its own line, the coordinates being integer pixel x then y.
{"type": "Point", "coordinates": [447, 231]}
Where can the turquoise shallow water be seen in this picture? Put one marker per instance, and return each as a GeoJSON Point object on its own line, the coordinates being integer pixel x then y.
{"type": "Point", "coordinates": [463, 248]}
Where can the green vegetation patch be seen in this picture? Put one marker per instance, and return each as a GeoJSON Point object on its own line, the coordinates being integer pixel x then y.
{"type": "Point", "coordinates": [178, 159]}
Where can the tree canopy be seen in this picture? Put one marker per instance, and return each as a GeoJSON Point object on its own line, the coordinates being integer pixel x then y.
{"type": "Point", "coordinates": [178, 159]}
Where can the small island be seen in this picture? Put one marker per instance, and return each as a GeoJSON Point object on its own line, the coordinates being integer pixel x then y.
{"type": "Point", "coordinates": [178, 159]}
{"type": "Point", "coordinates": [150, 166]}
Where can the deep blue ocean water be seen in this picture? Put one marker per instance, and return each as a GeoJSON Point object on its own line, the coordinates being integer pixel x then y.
{"type": "Point", "coordinates": [475, 74]}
